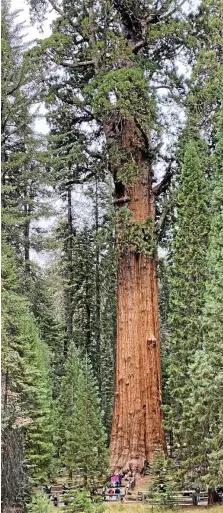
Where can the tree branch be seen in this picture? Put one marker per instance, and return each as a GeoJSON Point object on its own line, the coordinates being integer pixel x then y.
{"type": "Point", "coordinates": [62, 13]}
{"type": "Point", "coordinates": [138, 46]}
{"type": "Point", "coordinates": [165, 182]}
{"type": "Point", "coordinates": [77, 64]}
{"type": "Point", "coordinates": [80, 181]}
{"type": "Point", "coordinates": [170, 13]}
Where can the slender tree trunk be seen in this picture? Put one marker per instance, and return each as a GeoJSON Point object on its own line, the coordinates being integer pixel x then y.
{"type": "Point", "coordinates": [212, 496]}
{"type": "Point", "coordinates": [28, 209]}
{"type": "Point", "coordinates": [137, 420]}
{"type": "Point", "coordinates": [27, 239]}
{"type": "Point", "coordinates": [69, 291]}
{"type": "Point", "coordinates": [88, 315]}
{"type": "Point", "coordinates": [97, 293]}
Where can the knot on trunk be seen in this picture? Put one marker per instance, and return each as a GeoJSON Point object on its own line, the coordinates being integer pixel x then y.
{"type": "Point", "coordinates": [151, 341]}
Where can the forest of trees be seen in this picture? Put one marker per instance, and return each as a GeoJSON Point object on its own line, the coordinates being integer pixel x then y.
{"type": "Point", "coordinates": [112, 244]}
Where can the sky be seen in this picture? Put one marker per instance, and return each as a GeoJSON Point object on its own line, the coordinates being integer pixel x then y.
{"type": "Point", "coordinates": [32, 31]}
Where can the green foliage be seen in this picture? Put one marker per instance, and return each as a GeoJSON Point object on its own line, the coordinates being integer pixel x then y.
{"type": "Point", "coordinates": [123, 160]}
{"type": "Point", "coordinates": [213, 320]}
{"type": "Point", "coordinates": [135, 235]}
{"type": "Point", "coordinates": [23, 174]}
{"type": "Point", "coordinates": [207, 74]}
{"type": "Point", "coordinates": [203, 414]}
{"type": "Point", "coordinates": [40, 504]}
{"type": "Point", "coordinates": [162, 485]}
{"type": "Point", "coordinates": [27, 407]}
{"type": "Point", "coordinates": [25, 362]}
{"type": "Point", "coordinates": [84, 273]}
{"type": "Point", "coordinates": [81, 503]}
{"type": "Point", "coordinates": [125, 92]}
{"type": "Point", "coordinates": [81, 433]}
{"type": "Point", "coordinates": [187, 283]}
{"type": "Point", "coordinates": [39, 440]}
{"type": "Point", "coordinates": [164, 291]}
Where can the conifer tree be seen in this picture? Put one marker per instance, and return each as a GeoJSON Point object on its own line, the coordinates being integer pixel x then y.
{"type": "Point", "coordinates": [27, 389]}
{"type": "Point", "coordinates": [40, 504]}
{"type": "Point", "coordinates": [200, 129]}
{"type": "Point", "coordinates": [213, 317]}
{"type": "Point", "coordinates": [81, 502]}
{"type": "Point", "coordinates": [23, 174]}
{"type": "Point", "coordinates": [162, 486]}
{"type": "Point", "coordinates": [187, 282]}
{"type": "Point", "coordinates": [82, 436]}
{"type": "Point", "coordinates": [202, 419]}
{"type": "Point", "coordinates": [91, 287]}
{"type": "Point", "coordinates": [40, 436]}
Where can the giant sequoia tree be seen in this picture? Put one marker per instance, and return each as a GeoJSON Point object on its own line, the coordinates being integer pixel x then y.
{"type": "Point", "coordinates": [112, 53]}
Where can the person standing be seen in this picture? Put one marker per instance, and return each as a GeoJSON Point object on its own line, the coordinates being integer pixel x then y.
{"type": "Point", "coordinates": [198, 494]}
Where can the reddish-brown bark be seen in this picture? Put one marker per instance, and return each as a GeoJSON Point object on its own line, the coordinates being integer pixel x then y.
{"type": "Point", "coordinates": [137, 420]}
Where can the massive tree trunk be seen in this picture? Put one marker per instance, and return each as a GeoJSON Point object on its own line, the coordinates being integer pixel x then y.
{"type": "Point", "coordinates": [137, 420]}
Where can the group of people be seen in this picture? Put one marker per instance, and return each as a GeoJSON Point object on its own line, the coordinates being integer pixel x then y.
{"type": "Point", "coordinates": [116, 484]}
{"type": "Point", "coordinates": [129, 477]}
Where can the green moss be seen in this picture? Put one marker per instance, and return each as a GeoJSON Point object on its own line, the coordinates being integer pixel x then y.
{"type": "Point", "coordinates": [135, 235]}
{"type": "Point", "coordinates": [128, 173]}
{"type": "Point", "coordinates": [123, 161]}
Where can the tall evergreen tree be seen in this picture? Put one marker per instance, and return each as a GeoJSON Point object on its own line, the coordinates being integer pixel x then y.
{"type": "Point", "coordinates": [24, 178]}
{"type": "Point", "coordinates": [202, 420]}
{"type": "Point", "coordinates": [202, 104]}
{"type": "Point", "coordinates": [187, 282]}
{"type": "Point", "coordinates": [92, 285]}
{"type": "Point", "coordinates": [81, 433]}
{"type": "Point", "coordinates": [116, 56]}
{"type": "Point", "coordinates": [27, 406]}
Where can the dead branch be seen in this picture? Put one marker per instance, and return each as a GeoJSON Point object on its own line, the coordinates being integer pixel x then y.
{"type": "Point", "coordinates": [165, 182]}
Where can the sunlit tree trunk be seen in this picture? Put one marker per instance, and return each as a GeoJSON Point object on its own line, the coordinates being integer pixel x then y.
{"type": "Point", "coordinates": [137, 420]}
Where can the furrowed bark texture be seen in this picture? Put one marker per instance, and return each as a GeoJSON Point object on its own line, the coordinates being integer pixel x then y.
{"type": "Point", "coordinates": [137, 420]}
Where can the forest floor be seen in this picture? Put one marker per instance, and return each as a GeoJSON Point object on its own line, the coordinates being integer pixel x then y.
{"type": "Point", "coordinates": [143, 508]}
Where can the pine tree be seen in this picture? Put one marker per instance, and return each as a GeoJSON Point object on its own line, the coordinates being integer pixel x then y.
{"type": "Point", "coordinates": [162, 486]}
{"type": "Point", "coordinates": [40, 436]}
{"type": "Point", "coordinates": [27, 389]}
{"type": "Point", "coordinates": [42, 289]}
{"type": "Point", "coordinates": [40, 504]}
{"type": "Point", "coordinates": [81, 433]}
{"type": "Point", "coordinates": [91, 287]}
{"type": "Point", "coordinates": [213, 317]}
{"type": "Point", "coordinates": [23, 174]}
{"type": "Point", "coordinates": [200, 129]}
{"type": "Point", "coordinates": [187, 283]}
{"type": "Point", "coordinates": [202, 420]}
{"type": "Point", "coordinates": [81, 502]}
